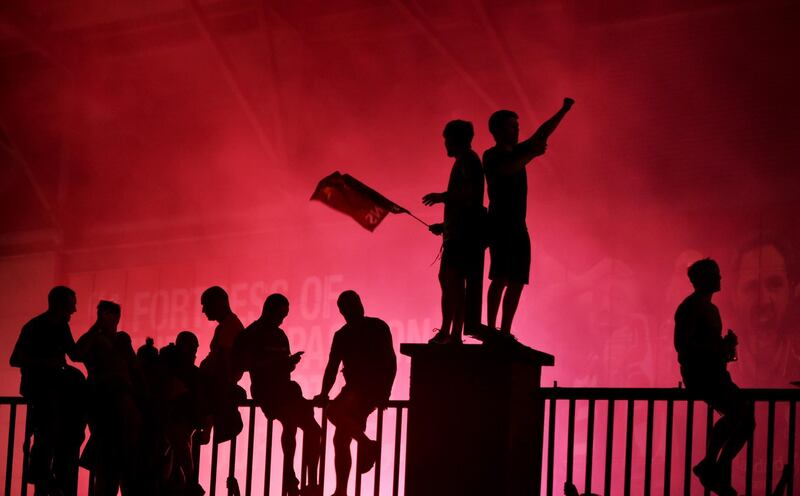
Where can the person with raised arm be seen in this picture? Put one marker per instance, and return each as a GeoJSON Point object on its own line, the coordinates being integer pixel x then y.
{"type": "Point", "coordinates": [505, 167]}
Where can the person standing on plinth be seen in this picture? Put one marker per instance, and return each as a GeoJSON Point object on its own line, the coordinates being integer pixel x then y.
{"type": "Point", "coordinates": [505, 166]}
{"type": "Point", "coordinates": [461, 266]}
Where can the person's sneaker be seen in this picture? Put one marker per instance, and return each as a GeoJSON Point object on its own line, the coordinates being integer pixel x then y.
{"type": "Point", "coordinates": [481, 332]}
{"type": "Point", "coordinates": [441, 337]}
{"type": "Point", "coordinates": [367, 454]}
{"type": "Point", "coordinates": [712, 479]}
{"type": "Point", "coordinates": [706, 471]}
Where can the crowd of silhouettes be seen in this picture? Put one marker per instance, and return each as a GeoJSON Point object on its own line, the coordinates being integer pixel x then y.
{"type": "Point", "coordinates": [146, 410]}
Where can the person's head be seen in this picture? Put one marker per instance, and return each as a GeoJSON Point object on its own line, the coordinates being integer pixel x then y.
{"type": "Point", "coordinates": [62, 302]}
{"type": "Point", "coordinates": [765, 284]}
{"type": "Point", "coordinates": [186, 345]}
{"type": "Point", "coordinates": [108, 315]}
{"type": "Point", "coordinates": [704, 276]}
{"type": "Point", "coordinates": [350, 305]}
{"type": "Point", "coordinates": [276, 308]}
{"type": "Point", "coordinates": [504, 126]}
{"type": "Point", "coordinates": [214, 301]}
{"type": "Point", "coordinates": [458, 136]}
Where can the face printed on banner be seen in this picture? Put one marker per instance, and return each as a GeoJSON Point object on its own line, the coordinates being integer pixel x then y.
{"type": "Point", "coordinates": [763, 290]}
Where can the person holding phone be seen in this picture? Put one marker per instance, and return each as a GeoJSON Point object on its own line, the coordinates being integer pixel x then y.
{"type": "Point", "coordinates": [262, 349]}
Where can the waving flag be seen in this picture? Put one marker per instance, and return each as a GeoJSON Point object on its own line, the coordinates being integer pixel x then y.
{"type": "Point", "coordinates": [350, 196]}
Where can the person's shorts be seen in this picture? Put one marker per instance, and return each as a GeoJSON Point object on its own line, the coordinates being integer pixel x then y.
{"type": "Point", "coordinates": [717, 389]}
{"type": "Point", "coordinates": [463, 258]}
{"type": "Point", "coordinates": [284, 402]}
{"type": "Point", "coordinates": [353, 405]}
{"type": "Point", "coordinates": [510, 253]}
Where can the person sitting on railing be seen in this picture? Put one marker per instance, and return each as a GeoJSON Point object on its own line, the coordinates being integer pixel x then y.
{"type": "Point", "coordinates": [55, 394]}
{"type": "Point", "coordinates": [224, 395]}
{"type": "Point", "coordinates": [364, 346]}
{"type": "Point", "coordinates": [703, 354]}
{"type": "Point", "coordinates": [262, 349]}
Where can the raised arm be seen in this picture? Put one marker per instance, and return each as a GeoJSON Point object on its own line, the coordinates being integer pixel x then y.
{"type": "Point", "coordinates": [536, 144]}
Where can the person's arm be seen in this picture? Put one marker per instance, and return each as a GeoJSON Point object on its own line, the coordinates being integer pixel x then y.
{"type": "Point", "coordinates": [331, 370]}
{"type": "Point", "coordinates": [390, 363]}
{"type": "Point", "coordinates": [83, 346]}
{"type": "Point", "coordinates": [536, 144]}
{"type": "Point", "coordinates": [434, 198]}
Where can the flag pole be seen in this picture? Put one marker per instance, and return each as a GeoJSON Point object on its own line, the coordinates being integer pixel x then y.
{"type": "Point", "coordinates": [422, 221]}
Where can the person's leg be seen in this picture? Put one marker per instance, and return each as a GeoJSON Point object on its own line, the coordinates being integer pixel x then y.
{"type": "Point", "coordinates": [493, 298]}
{"type": "Point", "coordinates": [311, 443]}
{"type": "Point", "coordinates": [342, 460]}
{"type": "Point", "coordinates": [510, 304]}
{"type": "Point", "coordinates": [457, 290]}
{"type": "Point", "coordinates": [448, 306]}
{"type": "Point", "coordinates": [473, 291]}
{"type": "Point", "coordinates": [289, 446]}
{"type": "Point", "coordinates": [742, 423]}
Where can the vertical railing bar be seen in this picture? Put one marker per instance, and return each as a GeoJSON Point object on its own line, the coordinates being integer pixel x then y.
{"type": "Point", "coordinates": [268, 458]}
{"type": "Point", "coordinates": [628, 447]}
{"type": "Point", "coordinates": [770, 444]}
{"type": "Point", "coordinates": [609, 446]}
{"type": "Point", "coordinates": [251, 437]}
{"type": "Point", "coordinates": [397, 433]}
{"type": "Point", "coordinates": [790, 456]}
{"type": "Point", "coordinates": [668, 448]}
{"type": "Point", "coordinates": [26, 452]}
{"type": "Point", "coordinates": [570, 439]}
{"type": "Point", "coordinates": [12, 420]}
{"type": "Point", "coordinates": [709, 426]}
{"type": "Point", "coordinates": [322, 449]}
{"type": "Point", "coordinates": [648, 457]}
{"type": "Point", "coordinates": [358, 474]}
{"type": "Point", "coordinates": [212, 489]}
{"type": "Point", "coordinates": [232, 459]}
{"type": "Point", "coordinates": [551, 429]}
{"type": "Point", "coordinates": [379, 440]}
{"type": "Point", "coordinates": [748, 475]}
{"type": "Point", "coordinates": [589, 447]}
{"type": "Point", "coordinates": [687, 460]}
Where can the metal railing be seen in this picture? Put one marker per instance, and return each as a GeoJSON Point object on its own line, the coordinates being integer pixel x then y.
{"type": "Point", "coordinates": [678, 410]}
{"type": "Point", "coordinates": [650, 448]}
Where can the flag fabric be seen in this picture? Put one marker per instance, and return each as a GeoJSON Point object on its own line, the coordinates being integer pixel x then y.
{"type": "Point", "coordinates": [350, 196]}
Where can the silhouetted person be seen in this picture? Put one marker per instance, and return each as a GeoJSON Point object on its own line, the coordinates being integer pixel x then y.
{"type": "Point", "coordinates": [55, 394]}
{"type": "Point", "coordinates": [364, 347]}
{"type": "Point", "coordinates": [703, 354]}
{"type": "Point", "coordinates": [218, 373]}
{"type": "Point", "coordinates": [262, 349]}
{"type": "Point", "coordinates": [115, 418]}
{"type": "Point", "coordinates": [183, 400]}
{"type": "Point", "coordinates": [461, 267]}
{"type": "Point", "coordinates": [507, 183]}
